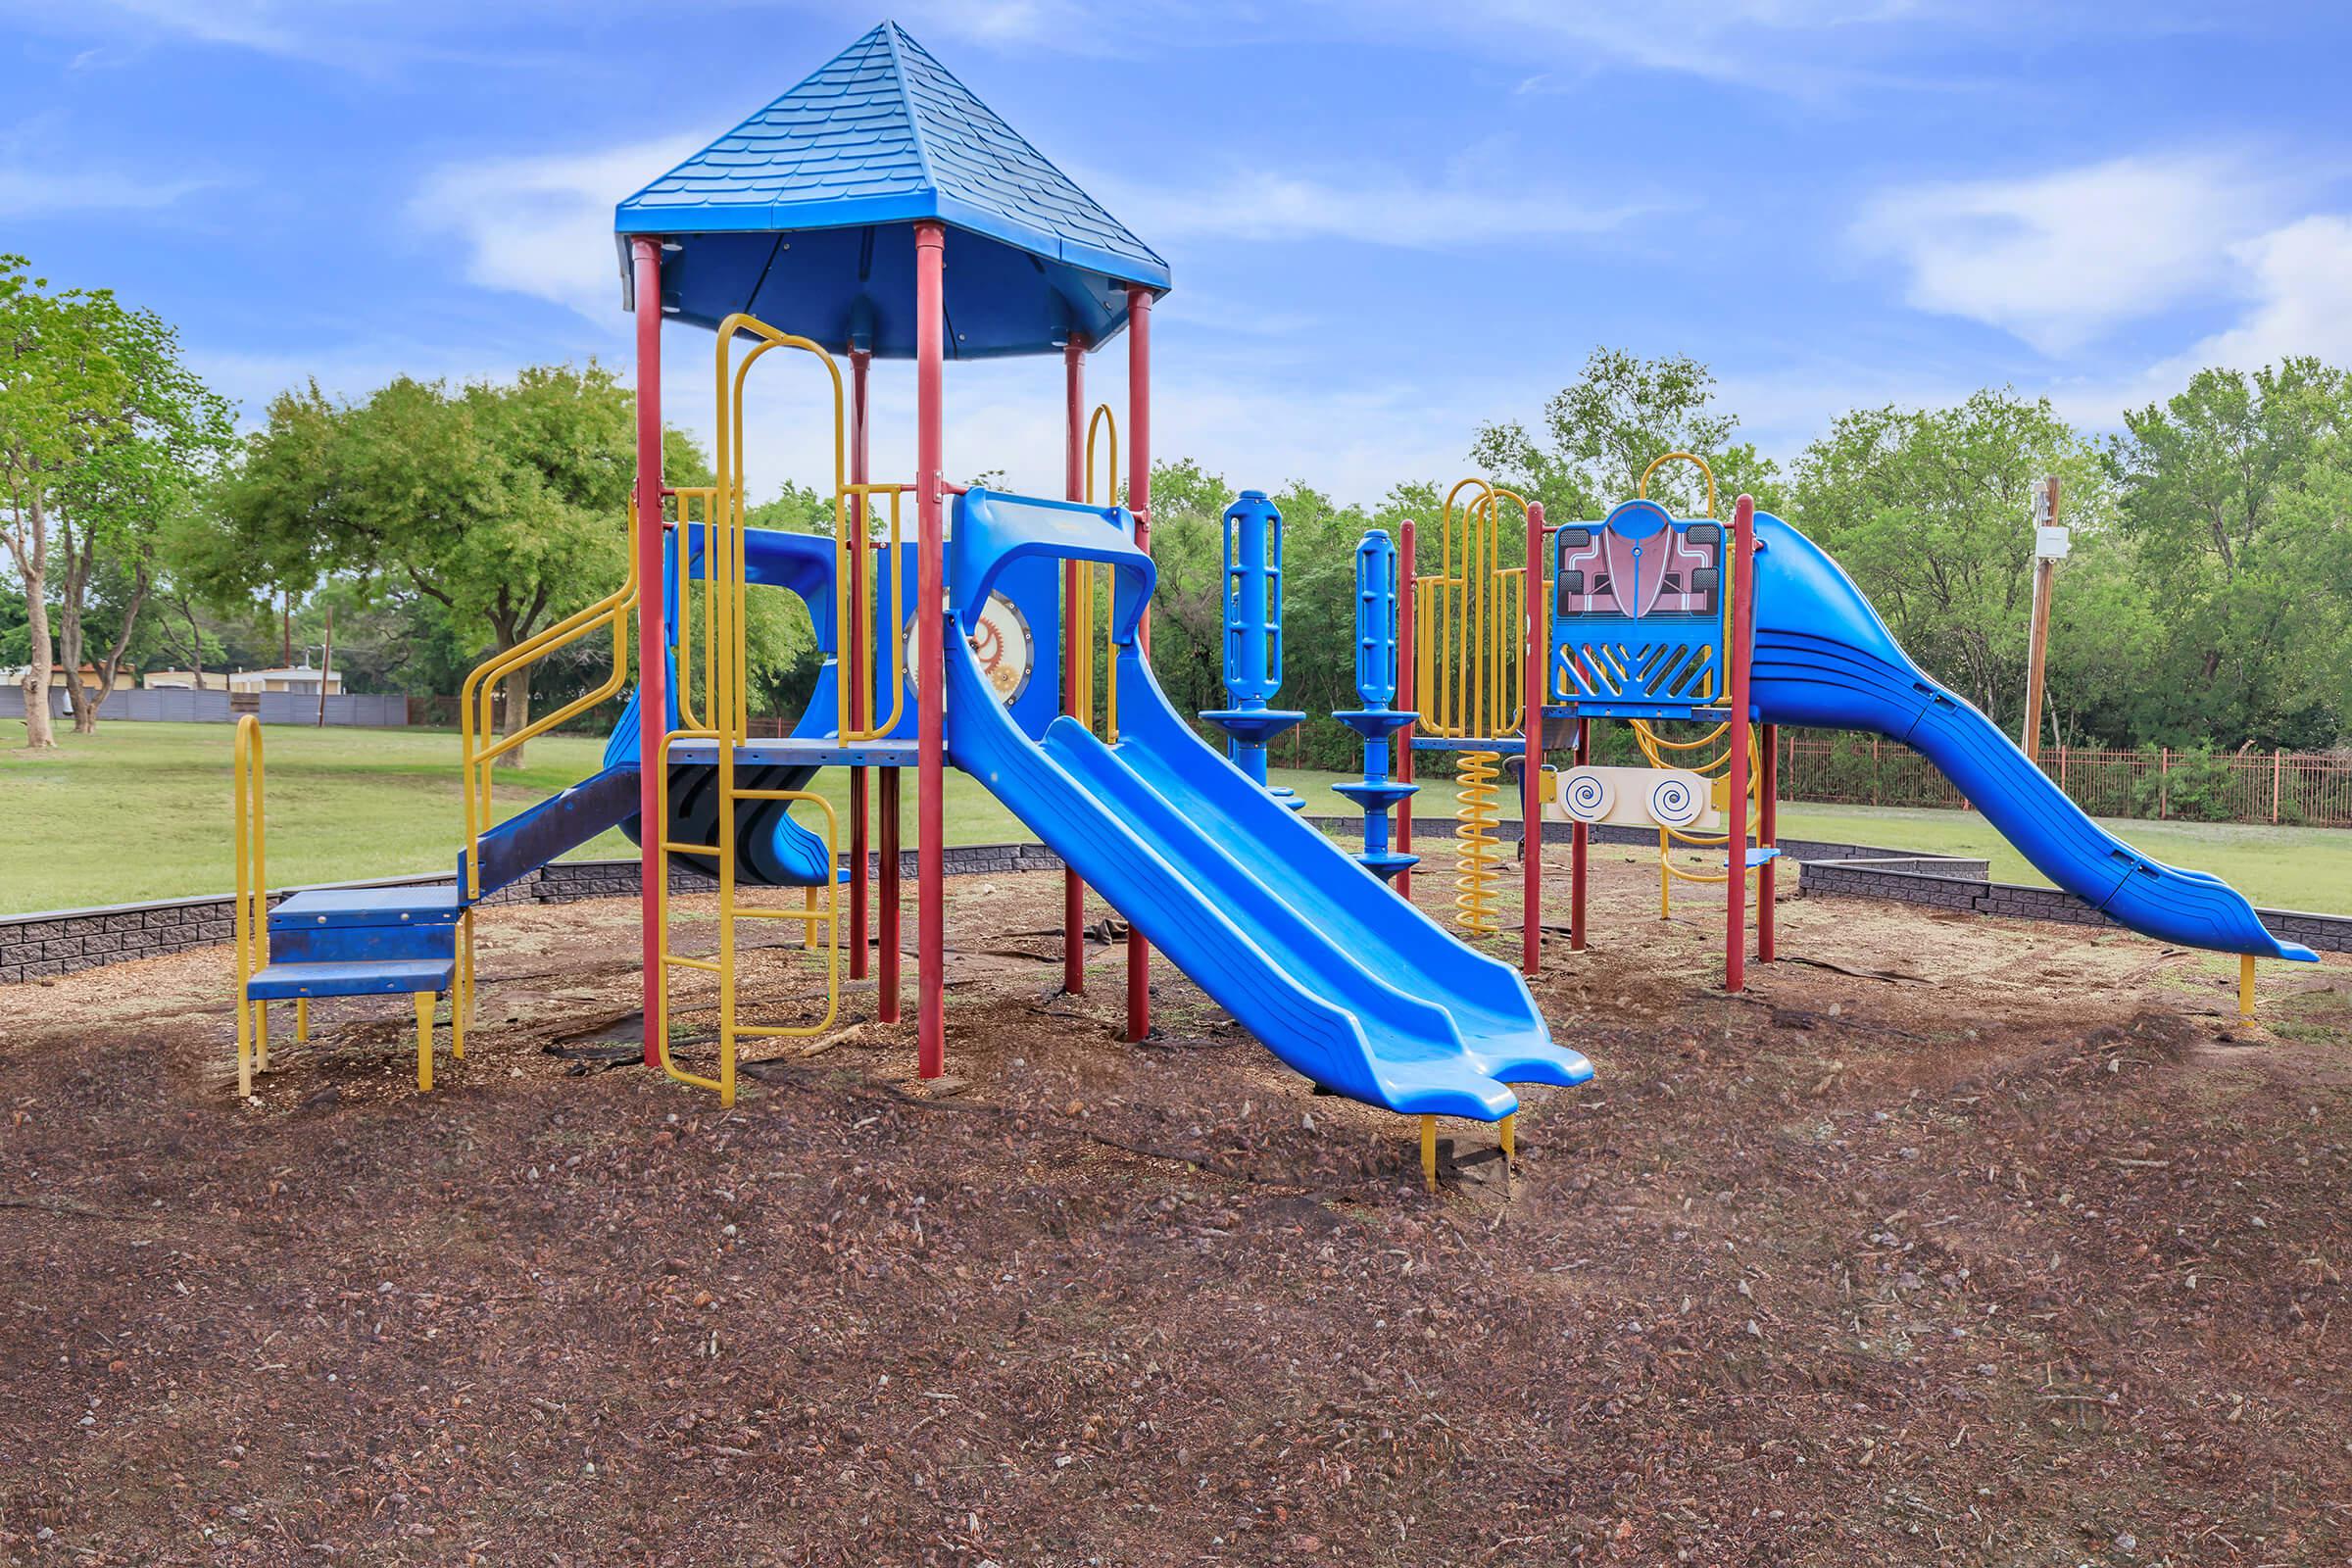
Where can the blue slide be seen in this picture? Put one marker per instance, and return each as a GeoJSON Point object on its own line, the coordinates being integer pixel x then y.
{"type": "Point", "coordinates": [1343, 980]}
{"type": "Point", "coordinates": [1824, 658]}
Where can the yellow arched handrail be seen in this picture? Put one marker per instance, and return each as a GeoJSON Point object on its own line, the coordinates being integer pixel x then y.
{"type": "Point", "coordinates": [1641, 485]}
{"type": "Point", "coordinates": [476, 715]}
{"type": "Point", "coordinates": [1080, 591]}
{"type": "Point", "coordinates": [725, 717]}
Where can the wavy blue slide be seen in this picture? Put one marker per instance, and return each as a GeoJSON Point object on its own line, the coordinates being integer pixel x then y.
{"type": "Point", "coordinates": [1824, 658]}
{"type": "Point", "coordinates": [1338, 977]}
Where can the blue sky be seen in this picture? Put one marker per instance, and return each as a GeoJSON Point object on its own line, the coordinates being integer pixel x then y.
{"type": "Point", "coordinates": [1389, 219]}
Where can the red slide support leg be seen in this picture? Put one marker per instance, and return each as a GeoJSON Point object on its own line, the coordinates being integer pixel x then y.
{"type": "Point", "coordinates": [886, 893]}
{"type": "Point", "coordinates": [1139, 501]}
{"type": "Point", "coordinates": [1405, 688]}
{"type": "Point", "coordinates": [1530, 760]}
{"type": "Point", "coordinates": [1735, 884]}
{"type": "Point", "coordinates": [1768, 835]}
{"type": "Point", "coordinates": [1579, 847]}
{"type": "Point", "coordinates": [1077, 644]}
{"type": "Point", "coordinates": [653, 698]}
{"type": "Point", "coordinates": [861, 694]}
{"type": "Point", "coordinates": [930, 619]}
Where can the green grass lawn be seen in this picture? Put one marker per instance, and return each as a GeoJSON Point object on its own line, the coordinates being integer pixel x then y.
{"type": "Point", "coordinates": [2278, 867]}
{"type": "Point", "coordinates": [141, 812]}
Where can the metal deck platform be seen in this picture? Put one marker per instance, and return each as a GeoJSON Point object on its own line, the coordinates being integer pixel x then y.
{"type": "Point", "coordinates": [795, 751]}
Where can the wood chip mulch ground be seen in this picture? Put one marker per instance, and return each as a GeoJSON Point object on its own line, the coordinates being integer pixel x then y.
{"type": "Point", "coordinates": [1952, 1241]}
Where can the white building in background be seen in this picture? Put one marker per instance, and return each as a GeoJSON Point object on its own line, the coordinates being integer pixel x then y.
{"type": "Point", "coordinates": [303, 679]}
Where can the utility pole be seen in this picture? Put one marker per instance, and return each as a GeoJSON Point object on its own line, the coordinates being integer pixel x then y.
{"type": "Point", "coordinates": [2050, 547]}
{"type": "Point", "coordinates": [327, 664]}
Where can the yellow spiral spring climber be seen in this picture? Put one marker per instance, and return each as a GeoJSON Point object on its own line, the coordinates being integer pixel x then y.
{"type": "Point", "coordinates": [1476, 852]}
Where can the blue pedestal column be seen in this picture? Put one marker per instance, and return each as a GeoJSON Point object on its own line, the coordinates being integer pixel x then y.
{"type": "Point", "coordinates": [1376, 688]}
{"type": "Point", "coordinates": [1254, 637]}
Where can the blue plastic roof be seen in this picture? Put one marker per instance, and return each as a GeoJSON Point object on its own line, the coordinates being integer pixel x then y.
{"type": "Point", "coordinates": [802, 215]}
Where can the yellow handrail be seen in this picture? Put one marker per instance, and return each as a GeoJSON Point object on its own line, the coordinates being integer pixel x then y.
{"type": "Point", "coordinates": [475, 717]}
{"type": "Point", "coordinates": [897, 494]}
{"type": "Point", "coordinates": [252, 902]}
{"type": "Point", "coordinates": [725, 717]}
{"type": "Point", "coordinates": [1082, 582]}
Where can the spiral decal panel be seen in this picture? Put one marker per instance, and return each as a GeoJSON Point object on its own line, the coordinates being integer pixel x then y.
{"type": "Point", "coordinates": [1587, 795]}
{"type": "Point", "coordinates": [1678, 798]}
{"type": "Point", "coordinates": [1675, 803]}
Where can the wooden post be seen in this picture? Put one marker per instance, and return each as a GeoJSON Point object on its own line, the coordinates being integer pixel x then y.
{"type": "Point", "coordinates": [2275, 759]}
{"type": "Point", "coordinates": [2037, 637]}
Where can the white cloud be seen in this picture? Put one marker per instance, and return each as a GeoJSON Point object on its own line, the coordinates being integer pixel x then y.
{"type": "Point", "coordinates": [2059, 259]}
{"type": "Point", "coordinates": [2301, 279]}
{"type": "Point", "coordinates": [543, 225]}
{"type": "Point", "coordinates": [27, 193]}
{"type": "Point", "coordinates": [1372, 208]}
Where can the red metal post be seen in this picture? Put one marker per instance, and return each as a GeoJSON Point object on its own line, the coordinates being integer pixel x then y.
{"type": "Point", "coordinates": [886, 893]}
{"type": "Point", "coordinates": [653, 638]}
{"type": "Point", "coordinates": [854, 636]}
{"type": "Point", "coordinates": [1734, 949]}
{"type": "Point", "coordinates": [1579, 842]}
{"type": "Point", "coordinates": [1139, 501]}
{"type": "Point", "coordinates": [1406, 689]}
{"type": "Point", "coordinates": [1077, 642]}
{"type": "Point", "coordinates": [1530, 760]}
{"type": "Point", "coordinates": [930, 619]}
{"type": "Point", "coordinates": [1768, 834]}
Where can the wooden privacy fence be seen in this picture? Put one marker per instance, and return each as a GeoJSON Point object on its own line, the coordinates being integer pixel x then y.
{"type": "Point", "coordinates": [2306, 788]}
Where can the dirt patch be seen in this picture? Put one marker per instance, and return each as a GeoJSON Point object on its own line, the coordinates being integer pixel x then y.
{"type": "Point", "coordinates": [1993, 1244]}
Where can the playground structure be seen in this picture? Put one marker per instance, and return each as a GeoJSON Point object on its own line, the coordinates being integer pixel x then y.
{"type": "Point", "coordinates": [970, 641]}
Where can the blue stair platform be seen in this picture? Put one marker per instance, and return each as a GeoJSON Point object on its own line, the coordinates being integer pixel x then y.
{"type": "Point", "coordinates": [372, 941]}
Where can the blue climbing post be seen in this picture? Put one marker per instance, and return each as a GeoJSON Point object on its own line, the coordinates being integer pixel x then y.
{"type": "Point", "coordinates": [1376, 688]}
{"type": "Point", "coordinates": [1254, 637]}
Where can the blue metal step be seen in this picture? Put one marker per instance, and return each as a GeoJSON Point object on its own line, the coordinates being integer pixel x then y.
{"type": "Point", "coordinates": [363, 943]}
{"type": "Point", "coordinates": [429, 903]}
{"type": "Point", "coordinates": [383, 977]}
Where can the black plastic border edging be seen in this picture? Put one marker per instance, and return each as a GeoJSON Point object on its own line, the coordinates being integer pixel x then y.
{"type": "Point", "coordinates": [56, 942]}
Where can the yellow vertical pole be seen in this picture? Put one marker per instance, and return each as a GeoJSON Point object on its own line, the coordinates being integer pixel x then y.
{"type": "Point", "coordinates": [424, 1041]}
{"type": "Point", "coordinates": [1510, 1141]}
{"type": "Point", "coordinates": [2245, 988]}
{"type": "Point", "coordinates": [1429, 1152]}
{"type": "Point", "coordinates": [302, 1018]}
{"type": "Point", "coordinates": [1665, 878]}
{"type": "Point", "coordinates": [261, 1037]}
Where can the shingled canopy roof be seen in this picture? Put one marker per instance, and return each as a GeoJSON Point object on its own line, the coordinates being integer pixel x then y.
{"type": "Point", "coordinates": [803, 215]}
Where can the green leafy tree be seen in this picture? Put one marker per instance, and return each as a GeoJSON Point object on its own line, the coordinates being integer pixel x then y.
{"type": "Point", "coordinates": [59, 394]}
{"type": "Point", "coordinates": [139, 474]}
{"type": "Point", "coordinates": [502, 507]}
{"type": "Point", "coordinates": [1929, 510]}
{"type": "Point", "coordinates": [1598, 434]}
{"type": "Point", "coordinates": [2236, 492]}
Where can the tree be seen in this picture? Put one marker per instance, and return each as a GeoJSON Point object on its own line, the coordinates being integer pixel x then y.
{"type": "Point", "coordinates": [2234, 495]}
{"type": "Point", "coordinates": [140, 470]}
{"type": "Point", "coordinates": [58, 391]}
{"type": "Point", "coordinates": [1929, 510]}
{"type": "Point", "coordinates": [502, 506]}
{"type": "Point", "coordinates": [1601, 431]}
